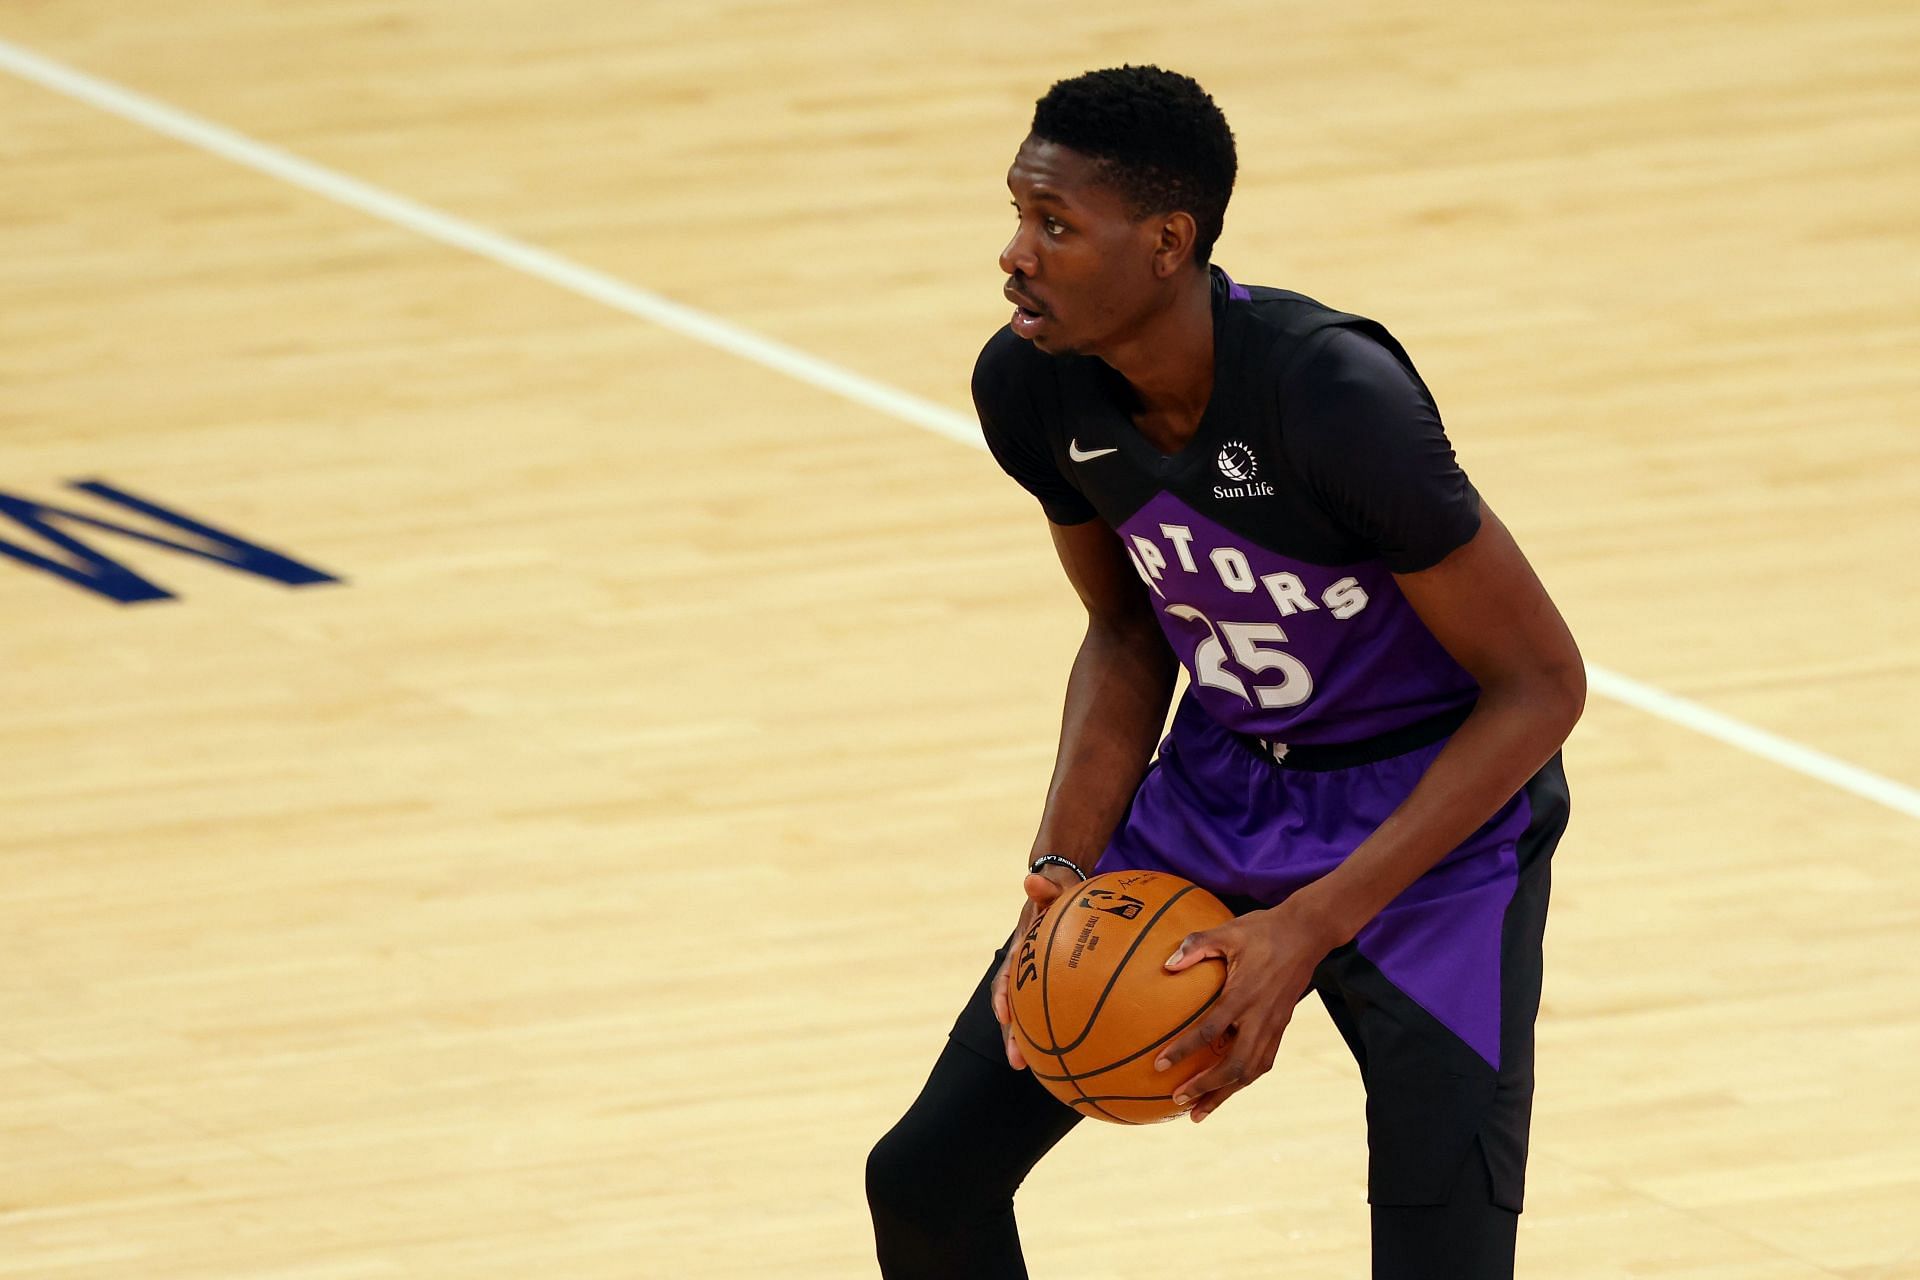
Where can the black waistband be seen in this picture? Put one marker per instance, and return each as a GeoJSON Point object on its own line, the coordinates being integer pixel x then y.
{"type": "Point", "coordinates": [1320, 757]}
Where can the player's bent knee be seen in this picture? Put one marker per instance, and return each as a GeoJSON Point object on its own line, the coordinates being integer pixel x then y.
{"type": "Point", "coordinates": [904, 1181]}
{"type": "Point", "coordinates": [890, 1175]}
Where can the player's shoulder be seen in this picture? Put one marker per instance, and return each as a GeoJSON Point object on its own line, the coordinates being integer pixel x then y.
{"type": "Point", "coordinates": [1284, 307]}
{"type": "Point", "coordinates": [1308, 344]}
{"type": "Point", "coordinates": [1008, 362]}
{"type": "Point", "coordinates": [1353, 356]}
{"type": "Point", "coordinates": [1019, 388]}
{"type": "Point", "coordinates": [1286, 327]}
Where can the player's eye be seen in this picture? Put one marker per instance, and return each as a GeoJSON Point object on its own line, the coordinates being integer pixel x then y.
{"type": "Point", "coordinates": [1055, 226]}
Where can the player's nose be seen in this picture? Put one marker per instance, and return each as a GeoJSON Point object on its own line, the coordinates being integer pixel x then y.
{"type": "Point", "coordinates": [1018, 258]}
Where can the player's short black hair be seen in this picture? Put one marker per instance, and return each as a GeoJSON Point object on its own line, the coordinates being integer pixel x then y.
{"type": "Point", "coordinates": [1158, 136]}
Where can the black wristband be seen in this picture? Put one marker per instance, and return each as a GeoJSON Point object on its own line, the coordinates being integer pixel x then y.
{"type": "Point", "coordinates": [1055, 860]}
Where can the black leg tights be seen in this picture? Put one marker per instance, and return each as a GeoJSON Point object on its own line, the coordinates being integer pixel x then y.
{"type": "Point", "coordinates": [1468, 1238]}
{"type": "Point", "coordinates": [941, 1182]}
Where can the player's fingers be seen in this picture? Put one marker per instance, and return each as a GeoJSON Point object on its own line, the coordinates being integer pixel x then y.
{"type": "Point", "coordinates": [1230, 1073]}
{"type": "Point", "coordinates": [1250, 1055]}
{"type": "Point", "coordinates": [1207, 1105]}
{"type": "Point", "coordinates": [1042, 890]}
{"type": "Point", "coordinates": [1263, 1052]}
{"type": "Point", "coordinates": [1015, 1059]}
{"type": "Point", "coordinates": [1196, 947]}
{"type": "Point", "coordinates": [1003, 1010]}
{"type": "Point", "coordinates": [1214, 1028]}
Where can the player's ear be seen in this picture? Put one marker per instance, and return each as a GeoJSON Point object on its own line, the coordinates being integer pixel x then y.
{"type": "Point", "coordinates": [1173, 244]}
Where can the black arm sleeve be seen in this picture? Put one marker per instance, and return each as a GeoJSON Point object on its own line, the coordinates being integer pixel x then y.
{"type": "Point", "coordinates": [1003, 396]}
{"type": "Point", "coordinates": [1367, 438]}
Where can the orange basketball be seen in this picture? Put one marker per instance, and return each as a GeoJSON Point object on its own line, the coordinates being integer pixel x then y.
{"type": "Point", "coordinates": [1093, 1003]}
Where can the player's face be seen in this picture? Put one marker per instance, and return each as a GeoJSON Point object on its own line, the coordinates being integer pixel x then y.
{"type": "Point", "coordinates": [1079, 267]}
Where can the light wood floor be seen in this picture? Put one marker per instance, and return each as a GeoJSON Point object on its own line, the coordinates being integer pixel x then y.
{"type": "Point", "coordinates": [581, 888]}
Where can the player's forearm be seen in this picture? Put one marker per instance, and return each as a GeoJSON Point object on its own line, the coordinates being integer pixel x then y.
{"type": "Point", "coordinates": [1116, 705]}
{"type": "Point", "coordinates": [1512, 732]}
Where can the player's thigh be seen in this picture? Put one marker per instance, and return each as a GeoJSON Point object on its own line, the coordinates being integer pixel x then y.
{"type": "Point", "coordinates": [1438, 1002]}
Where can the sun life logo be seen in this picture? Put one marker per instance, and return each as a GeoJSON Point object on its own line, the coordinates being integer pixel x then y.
{"type": "Point", "coordinates": [1236, 462]}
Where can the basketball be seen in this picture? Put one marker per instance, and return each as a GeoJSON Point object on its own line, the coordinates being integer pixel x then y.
{"type": "Point", "coordinates": [1092, 1002]}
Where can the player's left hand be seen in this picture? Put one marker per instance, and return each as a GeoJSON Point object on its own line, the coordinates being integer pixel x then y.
{"type": "Point", "coordinates": [1270, 956]}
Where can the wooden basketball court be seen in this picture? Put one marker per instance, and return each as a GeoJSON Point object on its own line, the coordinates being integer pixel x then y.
{"type": "Point", "coordinates": [579, 885]}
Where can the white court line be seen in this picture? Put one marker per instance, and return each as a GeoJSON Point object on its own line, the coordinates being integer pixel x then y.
{"type": "Point", "coordinates": [701, 327]}
{"type": "Point", "coordinates": [505, 250]}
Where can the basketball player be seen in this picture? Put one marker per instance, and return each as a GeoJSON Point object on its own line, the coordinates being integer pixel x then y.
{"type": "Point", "coordinates": [1365, 763]}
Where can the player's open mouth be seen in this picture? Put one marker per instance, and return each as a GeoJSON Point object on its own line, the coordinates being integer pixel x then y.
{"type": "Point", "coordinates": [1027, 315]}
{"type": "Point", "coordinates": [1026, 311]}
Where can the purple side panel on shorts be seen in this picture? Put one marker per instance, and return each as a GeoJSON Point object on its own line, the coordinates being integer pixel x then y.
{"type": "Point", "coordinates": [1439, 942]}
{"type": "Point", "coordinates": [1216, 813]}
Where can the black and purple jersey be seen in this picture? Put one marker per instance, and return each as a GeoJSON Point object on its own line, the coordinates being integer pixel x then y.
{"type": "Point", "coordinates": [1319, 470]}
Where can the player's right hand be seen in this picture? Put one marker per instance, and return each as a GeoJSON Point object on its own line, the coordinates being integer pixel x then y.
{"type": "Point", "coordinates": [1042, 887]}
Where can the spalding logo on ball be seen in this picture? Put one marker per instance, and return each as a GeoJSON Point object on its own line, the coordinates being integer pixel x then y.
{"type": "Point", "coordinates": [1236, 462]}
{"type": "Point", "coordinates": [1092, 1000]}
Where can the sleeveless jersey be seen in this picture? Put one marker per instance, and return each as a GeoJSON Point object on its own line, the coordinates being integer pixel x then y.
{"type": "Point", "coordinates": [1269, 542]}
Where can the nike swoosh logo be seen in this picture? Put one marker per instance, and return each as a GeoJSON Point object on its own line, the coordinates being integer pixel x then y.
{"type": "Point", "coordinates": [1078, 454]}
